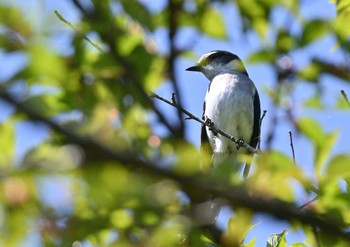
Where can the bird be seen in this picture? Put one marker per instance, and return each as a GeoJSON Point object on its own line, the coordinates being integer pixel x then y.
{"type": "Point", "coordinates": [232, 104]}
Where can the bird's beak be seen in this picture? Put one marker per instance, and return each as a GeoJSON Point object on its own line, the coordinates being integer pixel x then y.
{"type": "Point", "coordinates": [194, 68]}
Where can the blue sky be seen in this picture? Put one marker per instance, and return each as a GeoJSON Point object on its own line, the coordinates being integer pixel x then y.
{"type": "Point", "coordinates": [193, 86]}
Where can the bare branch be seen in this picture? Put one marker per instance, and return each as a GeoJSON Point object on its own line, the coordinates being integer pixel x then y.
{"type": "Point", "coordinates": [210, 124]}
{"type": "Point", "coordinates": [291, 145]}
{"type": "Point", "coordinates": [345, 97]}
{"type": "Point", "coordinates": [260, 123]}
{"type": "Point", "coordinates": [174, 7]}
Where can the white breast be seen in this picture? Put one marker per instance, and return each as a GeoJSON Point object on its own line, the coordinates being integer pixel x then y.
{"type": "Point", "coordinates": [229, 104]}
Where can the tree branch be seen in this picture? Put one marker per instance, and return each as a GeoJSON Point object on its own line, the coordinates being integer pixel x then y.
{"type": "Point", "coordinates": [174, 7]}
{"type": "Point", "coordinates": [237, 195]}
{"type": "Point", "coordinates": [208, 123]}
{"type": "Point", "coordinates": [345, 97]}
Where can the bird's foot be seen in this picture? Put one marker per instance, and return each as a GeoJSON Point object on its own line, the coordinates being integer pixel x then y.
{"type": "Point", "coordinates": [208, 122]}
{"type": "Point", "coordinates": [239, 143]}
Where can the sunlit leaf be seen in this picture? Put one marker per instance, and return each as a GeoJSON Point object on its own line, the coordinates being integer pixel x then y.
{"type": "Point", "coordinates": [312, 129]}
{"type": "Point", "coordinates": [314, 102]}
{"type": "Point", "coordinates": [343, 17]}
{"type": "Point", "coordinates": [323, 149]}
{"type": "Point", "coordinates": [311, 72]}
{"type": "Point", "coordinates": [238, 227]}
{"type": "Point", "coordinates": [138, 12]}
{"type": "Point", "coordinates": [45, 64]}
{"type": "Point", "coordinates": [284, 41]}
{"type": "Point", "coordinates": [313, 30]}
{"type": "Point", "coordinates": [212, 23]}
{"type": "Point", "coordinates": [264, 56]}
{"type": "Point", "coordinates": [7, 143]}
{"type": "Point", "coordinates": [121, 218]}
{"type": "Point", "coordinates": [298, 245]}
{"type": "Point", "coordinates": [339, 167]}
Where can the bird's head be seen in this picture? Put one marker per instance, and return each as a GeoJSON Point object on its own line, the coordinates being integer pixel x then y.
{"type": "Point", "coordinates": [218, 62]}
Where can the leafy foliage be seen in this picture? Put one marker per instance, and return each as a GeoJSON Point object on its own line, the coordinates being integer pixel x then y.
{"type": "Point", "coordinates": [64, 191]}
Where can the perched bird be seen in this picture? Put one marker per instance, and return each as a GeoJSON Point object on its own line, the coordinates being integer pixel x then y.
{"type": "Point", "coordinates": [232, 104]}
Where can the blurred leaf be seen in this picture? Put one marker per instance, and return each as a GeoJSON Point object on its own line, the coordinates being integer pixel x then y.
{"type": "Point", "coordinates": [263, 56]}
{"type": "Point", "coordinates": [251, 243]}
{"type": "Point", "coordinates": [48, 105]}
{"type": "Point", "coordinates": [341, 104]}
{"type": "Point", "coordinates": [138, 12]}
{"type": "Point", "coordinates": [12, 18]}
{"type": "Point", "coordinates": [212, 23]}
{"type": "Point", "coordinates": [323, 142]}
{"type": "Point", "coordinates": [311, 72]}
{"type": "Point", "coordinates": [121, 218]}
{"type": "Point", "coordinates": [7, 143]}
{"type": "Point", "coordinates": [313, 30]}
{"type": "Point", "coordinates": [238, 227]}
{"type": "Point", "coordinates": [284, 41]}
{"type": "Point", "coordinates": [156, 74]}
{"type": "Point", "coordinates": [256, 12]}
{"type": "Point", "coordinates": [298, 245]}
{"type": "Point", "coordinates": [277, 240]}
{"type": "Point", "coordinates": [46, 65]}
{"type": "Point", "coordinates": [314, 102]}
{"type": "Point", "coordinates": [343, 17]}
{"type": "Point", "coordinates": [169, 234]}
{"type": "Point", "coordinates": [312, 129]}
{"type": "Point", "coordinates": [339, 167]}
{"type": "Point", "coordinates": [275, 168]}
{"type": "Point", "coordinates": [323, 150]}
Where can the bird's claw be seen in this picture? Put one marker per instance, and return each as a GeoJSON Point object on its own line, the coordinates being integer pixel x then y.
{"type": "Point", "coordinates": [208, 122]}
{"type": "Point", "coordinates": [239, 143]}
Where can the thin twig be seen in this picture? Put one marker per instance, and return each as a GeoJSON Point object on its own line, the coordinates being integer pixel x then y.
{"type": "Point", "coordinates": [208, 123]}
{"type": "Point", "coordinates": [174, 8]}
{"type": "Point", "coordinates": [260, 123]}
{"type": "Point", "coordinates": [309, 202]}
{"type": "Point", "coordinates": [345, 97]}
{"type": "Point", "coordinates": [68, 23]}
{"type": "Point", "coordinates": [291, 145]}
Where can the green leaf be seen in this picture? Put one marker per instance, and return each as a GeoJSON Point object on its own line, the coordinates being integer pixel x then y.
{"type": "Point", "coordinates": [343, 18]}
{"type": "Point", "coordinates": [313, 30]}
{"type": "Point", "coordinates": [277, 240]}
{"type": "Point", "coordinates": [324, 148]}
{"type": "Point", "coordinates": [44, 64]}
{"type": "Point", "coordinates": [311, 72]}
{"type": "Point", "coordinates": [323, 142]}
{"type": "Point", "coordinates": [339, 167]}
{"type": "Point", "coordinates": [263, 56]}
{"type": "Point", "coordinates": [238, 228]}
{"type": "Point", "coordinates": [47, 104]}
{"type": "Point", "coordinates": [7, 143]}
{"type": "Point", "coordinates": [314, 102]}
{"type": "Point", "coordinates": [138, 12]}
{"type": "Point", "coordinates": [251, 243]}
{"type": "Point", "coordinates": [312, 129]}
{"type": "Point", "coordinates": [284, 41]}
{"type": "Point", "coordinates": [121, 218]}
{"type": "Point", "coordinates": [298, 245]}
{"type": "Point", "coordinates": [212, 23]}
